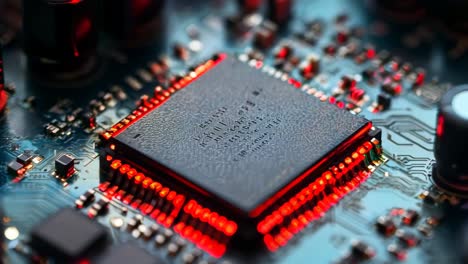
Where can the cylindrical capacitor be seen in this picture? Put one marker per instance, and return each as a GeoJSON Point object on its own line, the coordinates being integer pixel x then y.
{"type": "Point", "coordinates": [400, 11]}
{"type": "Point", "coordinates": [60, 37]}
{"type": "Point", "coordinates": [280, 11]}
{"type": "Point", "coordinates": [453, 15]}
{"type": "Point", "coordinates": [3, 94]}
{"type": "Point", "coordinates": [451, 144]}
{"type": "Point", "coordinates": [249, 6]}
{"type": "Point", "coordinates": [135, 23]}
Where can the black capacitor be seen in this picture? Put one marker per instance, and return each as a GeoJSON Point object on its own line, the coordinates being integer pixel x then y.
{"type": "Point", "coordinates": [60, 37]}
{"type": "Point", "coordinates": [3, 93]}
{"type": "Point", "coordinates": [451, 143]}
{"type": "Point", "coordinates": [134, 23]}
{"type": "Point", "coordinates": [249, 6]}
{"type": "Point", "coordinates": [280, 11]}
{"type": "Point", "coordinates": [400, 11]}
{"type": "Point", "coordinates": [452, 13]}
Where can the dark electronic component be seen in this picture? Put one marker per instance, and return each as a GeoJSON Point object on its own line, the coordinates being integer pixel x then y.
{"type": "Point", "coordinates": [134, 222]}
{"type": "Point", "coordinates": [362, 251]}
{"type": "Point", "coordinates": [311, 67]}
{"type": "Point", "coordinates": [88, 120]}
{"type": "Point", "coordinates": [384, 101]}
{"type": "Point", "coordinates": [85, 198]}
{"type": "Point", "coordinates": [99, 207]}
{"type": "Point", "coordinates": [135, 23]}
{"type": "Point", "coordinates": [265, 36]}
{"type": "Point", "coordinates": [67, 235]}
{"type": "Point", "coordinates": [127, 253]}
{"type": "Point", "coordinates": [280, 11]}
{"type": "Point", "coordinates": [25, 158]}
{"type": "Point", "coordinates": [401, 11]}
{"type": "Point", "coordinates": [65, 165]}
{"type": "Point", "coordinates": [181, 52]}
{"type": "Point", "coordinates": [15, 168]}
{"type": "Point", "coordinates": [3, 93]}
{"type": "Point", "coordinates": [249, 6]}
{"type": "Point", "coordinates": [392, 88]}
{"type": "Point", "coordinates": [407, 239]}
{"type": "Point", "coordinates": [233, 100]}
{"type": "Point", "coordinates": [397, 251]}
{"type": "Point", "coordinates": [410, 217]}
{"type": "Point", "coordinates": [347, 82]}
{"type": "Point", "coordinates": [451, 144]}
{"type": "Point", "coordinates": [385, 226]}
{"type": "Point", "coordinates": [61, 43]}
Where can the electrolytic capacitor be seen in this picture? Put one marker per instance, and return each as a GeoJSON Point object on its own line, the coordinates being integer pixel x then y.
{"type": "Point", "coordinates": [280, 11]}
{"type": "Point", "coordinates": [60, 37]}
{"type": "Point", "coordinates": [451, 144]}
{"type": "Point", "coordinates": [134, 23]}
{"type": "Point", "coordinates": [3, 94]}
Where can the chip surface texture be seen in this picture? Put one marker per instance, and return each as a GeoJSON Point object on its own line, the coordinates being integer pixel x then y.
{"type": "Point", "coordinates": [240, 134]}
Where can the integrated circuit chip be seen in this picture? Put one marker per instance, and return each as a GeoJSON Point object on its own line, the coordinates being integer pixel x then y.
{"type": "Point", "coordinates": [67, 235]}
{"type": "Point", "coordinates": [236, 138]}
{"type": "Point", "coordinates": [127, 253]}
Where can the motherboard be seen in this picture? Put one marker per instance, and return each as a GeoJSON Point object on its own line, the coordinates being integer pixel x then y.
{"type": "Point", "coordinates": [279, 131]}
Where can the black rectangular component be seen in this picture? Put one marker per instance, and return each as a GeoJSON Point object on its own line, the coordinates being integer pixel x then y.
{"type": "Point", "coordinates": [67, 235]}
{"type": "Point", "coordinates": [127, 253]}
{"type": "Point", "coordinates": [239, 135]}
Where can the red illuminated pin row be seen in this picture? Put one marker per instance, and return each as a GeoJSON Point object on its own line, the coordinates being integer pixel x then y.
{"type": "Point", "coordinates": [165, 205]}
{"type": "Point", "coordinates": [160, 97]}
{"type": "Point", "coordinates": [328, 179]}
{"type": "Point", "coordinates": [298, 223]}
{"type": "Point", "coordinates": [143, 193]}
{"type": "Point", "coordinates": [214, 219]}
{"type": "Point", "coordinates": [203, 241]}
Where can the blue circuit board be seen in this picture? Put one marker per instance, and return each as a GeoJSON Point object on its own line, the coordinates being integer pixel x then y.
{"type": "Point", "coordinates": [401, 184]}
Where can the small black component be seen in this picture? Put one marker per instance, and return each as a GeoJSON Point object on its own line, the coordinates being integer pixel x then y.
{"type": "Point", "coordinates": [410, 217]}
{"type": "Point", "coordinates": [280, 11]}
{"type": "Point", "coordinates": [384, 101]}
{"type": "Point", "coordinates": [362, 251]}
{"type": "Point", "coordinates": [85, 198]}
{"type": "Point", "coordinates": [88, 119]}
{"type": "Point", "coordinates": [134, 222]}
{"type": "Point", "coordinates": [397, 251]}
{"type": "Point", "coordinates": [127, 253]}
{"type": "Point", "coordinates": [347, 82]}
{"type": "Point", "coordinates": [392, 88]}
{"type": "Point", "coordinates": [265, 36]}
{"type": "Point", "coordinates": [67, 235]}
{"type": "Point", "coordinates": [451, 144]}
{"type": "Point", "coordinates": [25, 158]}
{"type": "Point", "coordinates": [181, 52]}
{"type": "Point", "coordinates": [407, 239]}
{"type": "Point", "coordinates": [65, 165]}
{"type": "Point", "coordinates": [14, 168]}
{"type": "Point", "coordinates": [100, 207]}
{"type": "Point", "coordinates": [369, 74]}
{"type": "Point", "coordinates": [385, 226]}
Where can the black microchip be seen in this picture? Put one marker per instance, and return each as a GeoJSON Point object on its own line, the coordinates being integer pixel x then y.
{"type": "Point", "coordinates": [67, 235]}
{"type": "Point", "coordinates": [239, 134]}
{"type": "Point", "coordinates": [127, 253]}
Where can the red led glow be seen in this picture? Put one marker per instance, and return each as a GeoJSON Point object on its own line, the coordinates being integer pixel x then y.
{"type": "Point", "coordinates": [299, 206]}
{"type": "Point", "coordinates": [169, 208]}
{"type": "Point", "coordinates": [215, 220]}
{"type": "Point", "coordinates": [257, 211]}
{"type": "Point", "coordinates": [440, 125]}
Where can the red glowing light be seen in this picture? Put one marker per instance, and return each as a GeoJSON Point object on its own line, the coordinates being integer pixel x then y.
{"type": "Point", "coordinates": [440, 125]}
